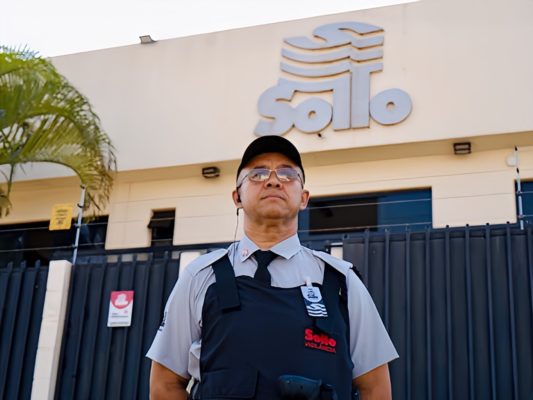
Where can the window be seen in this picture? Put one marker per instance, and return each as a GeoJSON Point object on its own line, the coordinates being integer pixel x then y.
{"type": "Point", "coordinates": [33, 241]}
{"type": "Point", "coordinates": [527, 203]}
{"type": "Point", "coordinates": [333, 217]}
{"type": "Point", "coordinates": [162, 226]}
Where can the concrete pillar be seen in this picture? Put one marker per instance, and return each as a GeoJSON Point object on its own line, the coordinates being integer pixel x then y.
{"type": "Point", "coordinates": [50, 337]}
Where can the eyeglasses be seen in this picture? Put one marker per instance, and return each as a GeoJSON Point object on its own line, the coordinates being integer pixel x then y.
{"type": "Point", "coordinates": [284, 174]}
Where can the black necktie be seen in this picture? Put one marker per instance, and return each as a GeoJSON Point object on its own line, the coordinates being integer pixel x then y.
{"type": "Point", "coordinates": [263, 258]}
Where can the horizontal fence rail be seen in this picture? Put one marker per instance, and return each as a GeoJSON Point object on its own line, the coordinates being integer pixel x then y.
{"type": "Point", "coordinates": [458, 304]}
{"type": "Point", "coordinates": [22, 293]}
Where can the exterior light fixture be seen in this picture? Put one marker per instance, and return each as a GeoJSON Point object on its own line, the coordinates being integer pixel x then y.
{"type": "Point", "coordinates": [210, 172]}
{"type": "Point", "coordinates": [462, 148]}
{"type": "Point", "coordinates": [146, 39]}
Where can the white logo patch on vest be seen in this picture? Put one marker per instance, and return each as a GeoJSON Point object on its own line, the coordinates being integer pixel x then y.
{"type": "Point", "coordinates": [314, 302]}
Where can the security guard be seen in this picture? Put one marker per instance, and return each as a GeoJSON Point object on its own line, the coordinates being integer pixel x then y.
{"type": "Point", "coordinates": [268, 318]}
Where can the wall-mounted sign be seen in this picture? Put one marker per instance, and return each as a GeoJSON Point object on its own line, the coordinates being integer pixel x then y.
{"type": "Point", "coordinates": [340, 60]}
{"type": "Point", "coordinates": [120, 308]}
{"type": "Point", "coordinates": [61, 217]}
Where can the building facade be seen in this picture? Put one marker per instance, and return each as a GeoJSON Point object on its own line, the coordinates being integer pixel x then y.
{"type": "Point", "coordinates": [408, 117]}
{"type": "Point", "coordinates": [375, 100]}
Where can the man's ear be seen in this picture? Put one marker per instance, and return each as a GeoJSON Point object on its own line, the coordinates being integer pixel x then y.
{"type": "Point", "coordinates": [304, 199]}
{"type": "Point", "coordinates": [236, 198]}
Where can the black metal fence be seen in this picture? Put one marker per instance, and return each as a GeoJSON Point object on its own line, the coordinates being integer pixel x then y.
{"type": "Point", "coordinates": [22, 292]}
{"type": "Point", "coordinates": [458, 304]}
{"type": "Point", "coordinates": [98, 362]}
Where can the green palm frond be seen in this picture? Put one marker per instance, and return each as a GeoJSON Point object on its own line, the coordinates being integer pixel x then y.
{"type": "Point", "coordinates": [43, 118]}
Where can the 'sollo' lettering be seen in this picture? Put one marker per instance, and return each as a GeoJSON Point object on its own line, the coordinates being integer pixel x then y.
{"type": "Point", "coordinates": [319, 341]}
{"type": "Point", "coordinates": [344, 74]}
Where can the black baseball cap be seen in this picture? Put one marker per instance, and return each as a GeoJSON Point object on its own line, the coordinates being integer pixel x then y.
{"type": "Point", "coordinates": [271, 144]}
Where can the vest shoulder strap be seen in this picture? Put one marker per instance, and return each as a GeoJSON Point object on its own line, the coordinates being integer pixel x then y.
{"type": "Point", "coordinates": [225, 286]}
{"type": "Point", "coordinates": [333, 289]}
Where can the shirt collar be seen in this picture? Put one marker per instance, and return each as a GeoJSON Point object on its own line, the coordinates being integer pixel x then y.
{"type": "Point", "coordinates": [286, 248]}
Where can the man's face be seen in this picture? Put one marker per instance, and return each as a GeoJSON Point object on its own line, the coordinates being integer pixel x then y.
{"type": "Point", "coordinates": [271, 199]}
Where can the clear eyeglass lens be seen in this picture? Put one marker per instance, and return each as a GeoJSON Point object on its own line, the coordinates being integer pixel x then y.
{"type": "Point", "coordinates": [283, 174]}
{"type": "Point", "coordinates": [286, 174]}
{"type": "Point", "coordinates": [259, 174]}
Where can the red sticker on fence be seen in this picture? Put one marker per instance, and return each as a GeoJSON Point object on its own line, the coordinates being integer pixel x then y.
{"type": "Point", "coordinates": [120, 308]}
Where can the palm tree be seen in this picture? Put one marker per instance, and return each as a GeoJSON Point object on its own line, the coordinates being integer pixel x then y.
{"type": "Point", "coordinates": [43, 118]}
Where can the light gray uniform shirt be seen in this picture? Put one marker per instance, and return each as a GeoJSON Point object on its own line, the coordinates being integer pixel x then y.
{"type": "Point", "coordinates": [178, 342]}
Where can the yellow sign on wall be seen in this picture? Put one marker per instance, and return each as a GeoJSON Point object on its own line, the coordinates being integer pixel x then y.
{"type": "Point", "coordinates": [61, 217]}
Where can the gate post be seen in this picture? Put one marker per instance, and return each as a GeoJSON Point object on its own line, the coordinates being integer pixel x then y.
{"type": "Point", "coordinates": [49, 348]}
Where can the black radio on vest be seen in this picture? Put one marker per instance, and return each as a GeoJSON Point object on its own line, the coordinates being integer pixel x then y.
{"type": "Point", "coordinates": [292, 387]}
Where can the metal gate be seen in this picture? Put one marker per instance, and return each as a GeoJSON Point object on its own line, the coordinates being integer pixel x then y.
{"type": "Point", "coordinates": [458, 304]}
{"type": "Point", "coordinates": [22, 292]}
{"type": "Point", "coordinates": [98, 362]}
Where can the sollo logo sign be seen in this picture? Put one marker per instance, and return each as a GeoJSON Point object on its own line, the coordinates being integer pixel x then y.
{"type": "Point", "coordinates": [339, 59]}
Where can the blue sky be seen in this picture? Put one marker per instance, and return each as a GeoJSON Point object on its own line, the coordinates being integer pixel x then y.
{"type": "Point", "coordinates": [57, 27]}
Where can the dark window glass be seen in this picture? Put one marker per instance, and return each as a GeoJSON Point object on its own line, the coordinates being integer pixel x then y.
{"type": "Point", "coordinates": [33, 241]}
{"type": "Point", "coordinates": [162, 226]}
{"type": "Point", "coordinates": [527, 202]}
{"type": "Point", "coordinates": [336, 216]}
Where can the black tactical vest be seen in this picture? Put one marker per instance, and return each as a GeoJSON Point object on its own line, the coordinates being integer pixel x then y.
{"type": "Point", "coordinates": [253, 333]}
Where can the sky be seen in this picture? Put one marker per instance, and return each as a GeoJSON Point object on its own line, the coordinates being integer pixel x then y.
{"type": "Point", "coordinates": [58, 27]}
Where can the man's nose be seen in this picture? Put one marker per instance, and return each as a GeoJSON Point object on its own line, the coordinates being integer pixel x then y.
{"type": "Point", "coordinates": [273, 180]}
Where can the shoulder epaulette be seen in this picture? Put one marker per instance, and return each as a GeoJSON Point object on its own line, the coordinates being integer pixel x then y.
{"type": "Point", "coordinates": [205, 260]}
{"type": "Point", "coordinates": [340, 265]}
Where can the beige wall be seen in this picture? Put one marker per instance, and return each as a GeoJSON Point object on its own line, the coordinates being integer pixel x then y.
{"type": "Point", "coordinates": [33, 200]}
{"type": "Point", "coordinates": [465, 64]}
{"type": "Point", "coordinates": [181, 104]}
{"type": "Point", "coordinates": [473, 189]}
